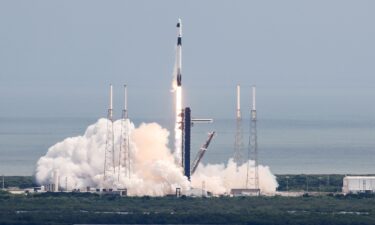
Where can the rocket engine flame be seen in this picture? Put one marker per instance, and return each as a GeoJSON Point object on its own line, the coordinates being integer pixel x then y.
{"type": "Point", "coordinates": [178, 125]}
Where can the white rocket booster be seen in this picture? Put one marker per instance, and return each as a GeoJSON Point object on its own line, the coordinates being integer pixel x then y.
{"type": "Point", "coordinates": [178, 95]}
{"type": "Point", "coordinates": [178, 52]}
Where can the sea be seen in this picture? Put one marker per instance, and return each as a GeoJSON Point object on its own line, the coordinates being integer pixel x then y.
{"type": "Point", "coordinates": [286, 146]}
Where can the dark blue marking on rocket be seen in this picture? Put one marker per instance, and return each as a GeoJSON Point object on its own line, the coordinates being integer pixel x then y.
{"type": "Point", "coordinates": [179, 79]}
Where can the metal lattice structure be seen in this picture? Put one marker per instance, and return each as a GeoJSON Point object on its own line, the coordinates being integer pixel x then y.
{"type": "Point", "coordinates": [201, 152]}
{"type": "Point", "coordinates": [238, 140]}
{"type": "Point", "coordinates": [109, 157]}
{"type": "Point", "coordinates": [124, 153]}
{"type": "Point", "coordinates": [252, 179]}
{"type": "Point", "coordinates": [186, 134]}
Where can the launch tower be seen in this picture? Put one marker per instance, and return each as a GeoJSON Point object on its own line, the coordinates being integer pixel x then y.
{"type": "Point", "coordinates": [238, 142]}
{"type": "Point", "coordinates": [124, 153]}
{"type": "Point", "coordinates": [252, 180]}
{"type": "Point", "coordinates": [109, 158]}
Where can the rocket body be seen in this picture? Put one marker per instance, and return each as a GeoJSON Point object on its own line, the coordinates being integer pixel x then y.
{"type": "Point", "coordinates": [178, 52]}
{"type": "Point", "coordinates": [177, 86]}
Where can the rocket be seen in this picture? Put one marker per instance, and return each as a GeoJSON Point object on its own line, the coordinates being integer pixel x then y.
{"type": "Point", "coordinates": [177, 89]}
{"type": "Point", "coordinates": [178, 52]}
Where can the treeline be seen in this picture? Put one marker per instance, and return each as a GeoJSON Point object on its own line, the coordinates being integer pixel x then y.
{"type": "Point", "coordinates": [70, 208]}
{"type": "Point", "coordinates": [310, 183]}
{"type": "Point", "coordinates": [18, 181]}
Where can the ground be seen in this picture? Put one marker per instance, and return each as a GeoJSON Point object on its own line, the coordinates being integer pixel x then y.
{"type": "Point", "coordinates": [70, 208]}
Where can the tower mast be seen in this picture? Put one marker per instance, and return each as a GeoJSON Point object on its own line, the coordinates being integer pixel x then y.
{"type": "Point", "coordinates": [252, 180]}
{"type": "Point", "coordinates": [238, 143]}
{"type": "Point", "coordinates": [109, 158]}
{"type": "Point", "coordinates": [124, 153]}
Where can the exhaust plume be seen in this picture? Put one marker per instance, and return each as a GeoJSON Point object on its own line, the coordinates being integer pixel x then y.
{"type": "Point", "coordinates": [154, 171]}
{"type": "Point", "coordinates": [80, 161]}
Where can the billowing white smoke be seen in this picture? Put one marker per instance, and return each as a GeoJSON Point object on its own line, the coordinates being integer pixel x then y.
{"type": "Point", "coordinates": [220, 178]}
{"type": "Point", "coordinates": [80, 161]}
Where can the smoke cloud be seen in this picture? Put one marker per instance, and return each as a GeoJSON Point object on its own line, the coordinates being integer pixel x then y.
{"type": "Point", "coordinates": [220, 178]}
{"type": "Point", "coordinates": [154, 172]}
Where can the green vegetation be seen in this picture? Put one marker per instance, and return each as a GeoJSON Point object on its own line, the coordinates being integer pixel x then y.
{"type": "Point", "coordinates": [18, 181]}
{"type": "Point", "coordinates": [68, 208]}
{"type": "Point", "coordinates": [308, 182]}
{"type": "Point", "coordinates": [311, 182]}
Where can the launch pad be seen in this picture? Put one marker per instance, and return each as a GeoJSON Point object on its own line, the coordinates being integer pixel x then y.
{"type": "Point", "coordinates": [119, 154]}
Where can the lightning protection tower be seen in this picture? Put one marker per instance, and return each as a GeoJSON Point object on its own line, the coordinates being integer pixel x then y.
{"type": "Point", "coordinates": [238, 142]}
{"type": "Point", "coordinates": [109, 158]}
{"type": "Point", "coordinates": [124, 153]}
{"type": "Point", "coordinates": [252, 179]}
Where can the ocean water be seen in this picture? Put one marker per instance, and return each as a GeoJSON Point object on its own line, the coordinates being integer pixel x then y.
{"type": "Point", "coordinates": [285, 145]}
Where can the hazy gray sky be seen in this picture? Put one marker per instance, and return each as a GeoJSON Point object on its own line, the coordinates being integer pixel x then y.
{"type": "Point", "coordinates": [307, 58]}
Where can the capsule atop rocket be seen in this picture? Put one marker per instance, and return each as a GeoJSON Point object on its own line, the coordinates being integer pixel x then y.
{"type": "Point", "coordinates": [178, 51]}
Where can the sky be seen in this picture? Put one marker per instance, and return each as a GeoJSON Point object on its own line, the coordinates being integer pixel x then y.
{"type": "Point", "coordinates": [308, 59]}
